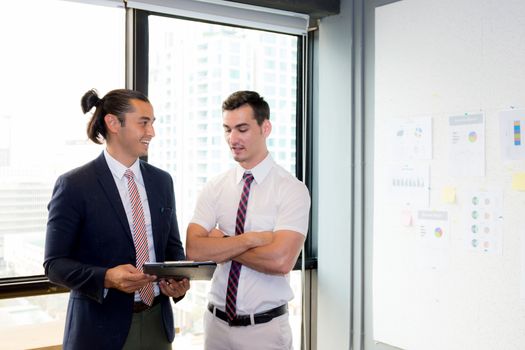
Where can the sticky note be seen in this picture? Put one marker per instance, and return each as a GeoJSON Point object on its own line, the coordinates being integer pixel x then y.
{"type": "Point", "coordinates": [448, 194]}
{"type": "Point", "coordinates": [518, 181]}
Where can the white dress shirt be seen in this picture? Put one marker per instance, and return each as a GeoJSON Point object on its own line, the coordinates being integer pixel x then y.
{"type": "Point", "coordinates": [118, 170]}
{"type": "Point", "coordinates": [277, 201]}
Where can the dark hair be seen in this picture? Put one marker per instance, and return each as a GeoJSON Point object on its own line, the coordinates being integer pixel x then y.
{"type": "Point", "coordinates": [116, 102]}
{"type": "Point", "coordinates": [260, 107]}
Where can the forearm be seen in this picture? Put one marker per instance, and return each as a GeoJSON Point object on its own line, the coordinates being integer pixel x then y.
{"type": "Point", "coordinates": [268, 260]}
{"type": "Point", "coordinates": [203, 248]}
{"type": "Point", "coordinates": [277, 258]}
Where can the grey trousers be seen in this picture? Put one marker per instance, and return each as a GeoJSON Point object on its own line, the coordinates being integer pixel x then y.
{"type": "Point", "coordinates": [147, 331]}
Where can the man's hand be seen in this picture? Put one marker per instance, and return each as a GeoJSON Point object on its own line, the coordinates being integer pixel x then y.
{"type": "Point", "coordinates": [174, 289]}
{"type": "Point", "coordinates": [126, 278]}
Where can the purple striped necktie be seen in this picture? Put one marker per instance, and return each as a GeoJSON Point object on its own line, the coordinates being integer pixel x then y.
{"type": "Point", "coordinates": [235, 269]}
{"type": "Point", "coordinates": [140, 238]}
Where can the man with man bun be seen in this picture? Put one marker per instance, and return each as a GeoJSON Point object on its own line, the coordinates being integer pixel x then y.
{"type": "Point", "coordinates": [106, 219]}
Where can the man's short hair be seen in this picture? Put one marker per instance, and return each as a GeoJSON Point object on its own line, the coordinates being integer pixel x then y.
{"type": "Point", "coordinates": [261, 110]}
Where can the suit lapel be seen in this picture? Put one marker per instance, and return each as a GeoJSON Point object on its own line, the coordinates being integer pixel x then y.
{"type": "Point", "coordinates": [105, 178]}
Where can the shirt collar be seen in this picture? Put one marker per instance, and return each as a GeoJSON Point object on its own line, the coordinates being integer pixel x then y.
{"type": "Point", "coordinates": [259, 172]}
{"type": "Point", "coordinates": [118, 169]}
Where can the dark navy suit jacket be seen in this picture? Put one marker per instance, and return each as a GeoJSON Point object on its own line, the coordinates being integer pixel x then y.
{"type": "Point", "coordinates": [87, 233]}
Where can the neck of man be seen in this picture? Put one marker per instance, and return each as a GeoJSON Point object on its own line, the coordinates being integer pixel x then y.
{"type": "Point", "coordinates": [120, 155]}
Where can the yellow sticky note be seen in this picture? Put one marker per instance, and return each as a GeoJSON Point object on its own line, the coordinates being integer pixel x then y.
{"type": "Point", "coordinates": [448, 194]}
{"type": "Point", "coordinates": [518, 181]}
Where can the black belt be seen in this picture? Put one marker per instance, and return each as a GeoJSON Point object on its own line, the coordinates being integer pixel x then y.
{"type": "Point", "coordinates": [140, 306]}
{"type": "Point", "coordinates": [246, 320]}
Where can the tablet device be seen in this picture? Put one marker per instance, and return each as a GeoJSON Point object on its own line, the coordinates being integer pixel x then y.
{"type": "Point", "coordinates": [192, 270]}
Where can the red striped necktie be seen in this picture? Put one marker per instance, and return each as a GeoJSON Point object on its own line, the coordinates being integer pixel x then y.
{"type": "Point", "coordinates": [140, 238]}
{"type": "Point", "coordinates": [235, 269]}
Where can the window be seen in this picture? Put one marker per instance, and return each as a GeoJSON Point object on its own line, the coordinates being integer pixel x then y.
{"type": "Point", "coordinates": [45, 71]}
{"type": "Point", "coordinates": [43, 129]}
{"type": "Point", "coordinates": [194, 167]}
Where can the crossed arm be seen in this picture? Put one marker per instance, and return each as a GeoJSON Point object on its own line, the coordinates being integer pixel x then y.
{"type": "Point", "coordinates": [268, 252]}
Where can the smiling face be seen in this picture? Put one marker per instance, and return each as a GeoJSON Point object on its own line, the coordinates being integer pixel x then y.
{"type": "Point", "coordinates": [246, 138]}
{"type": "Point", "coordinates": [130, 140]}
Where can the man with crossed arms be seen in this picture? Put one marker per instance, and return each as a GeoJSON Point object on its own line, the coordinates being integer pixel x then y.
{"type": "Point", "coordinates": [271, 206]}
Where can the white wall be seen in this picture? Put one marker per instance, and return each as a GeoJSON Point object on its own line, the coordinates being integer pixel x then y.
{"type": "Point", "coordinates": [333, 149]}
{"type": "Point", "coordinates": [443, 58]}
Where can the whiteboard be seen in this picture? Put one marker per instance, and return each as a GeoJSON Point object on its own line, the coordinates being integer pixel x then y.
{"type": "Point", "coordinates": [439, 281]}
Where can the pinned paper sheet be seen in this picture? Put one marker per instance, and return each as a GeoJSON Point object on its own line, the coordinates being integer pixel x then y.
{"type": "Point", "coordinates": [483, 219]}
{"type": "Point", "coordinates": [467, 145]}
{"type": "Point", "coordinates": [518, 181]}
{"type": "Point", "coordinates": [448, 194]}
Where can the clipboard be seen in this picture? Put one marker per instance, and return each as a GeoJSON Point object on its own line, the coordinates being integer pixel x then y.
{"type": "Point", "coordinates": [178, 270]}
